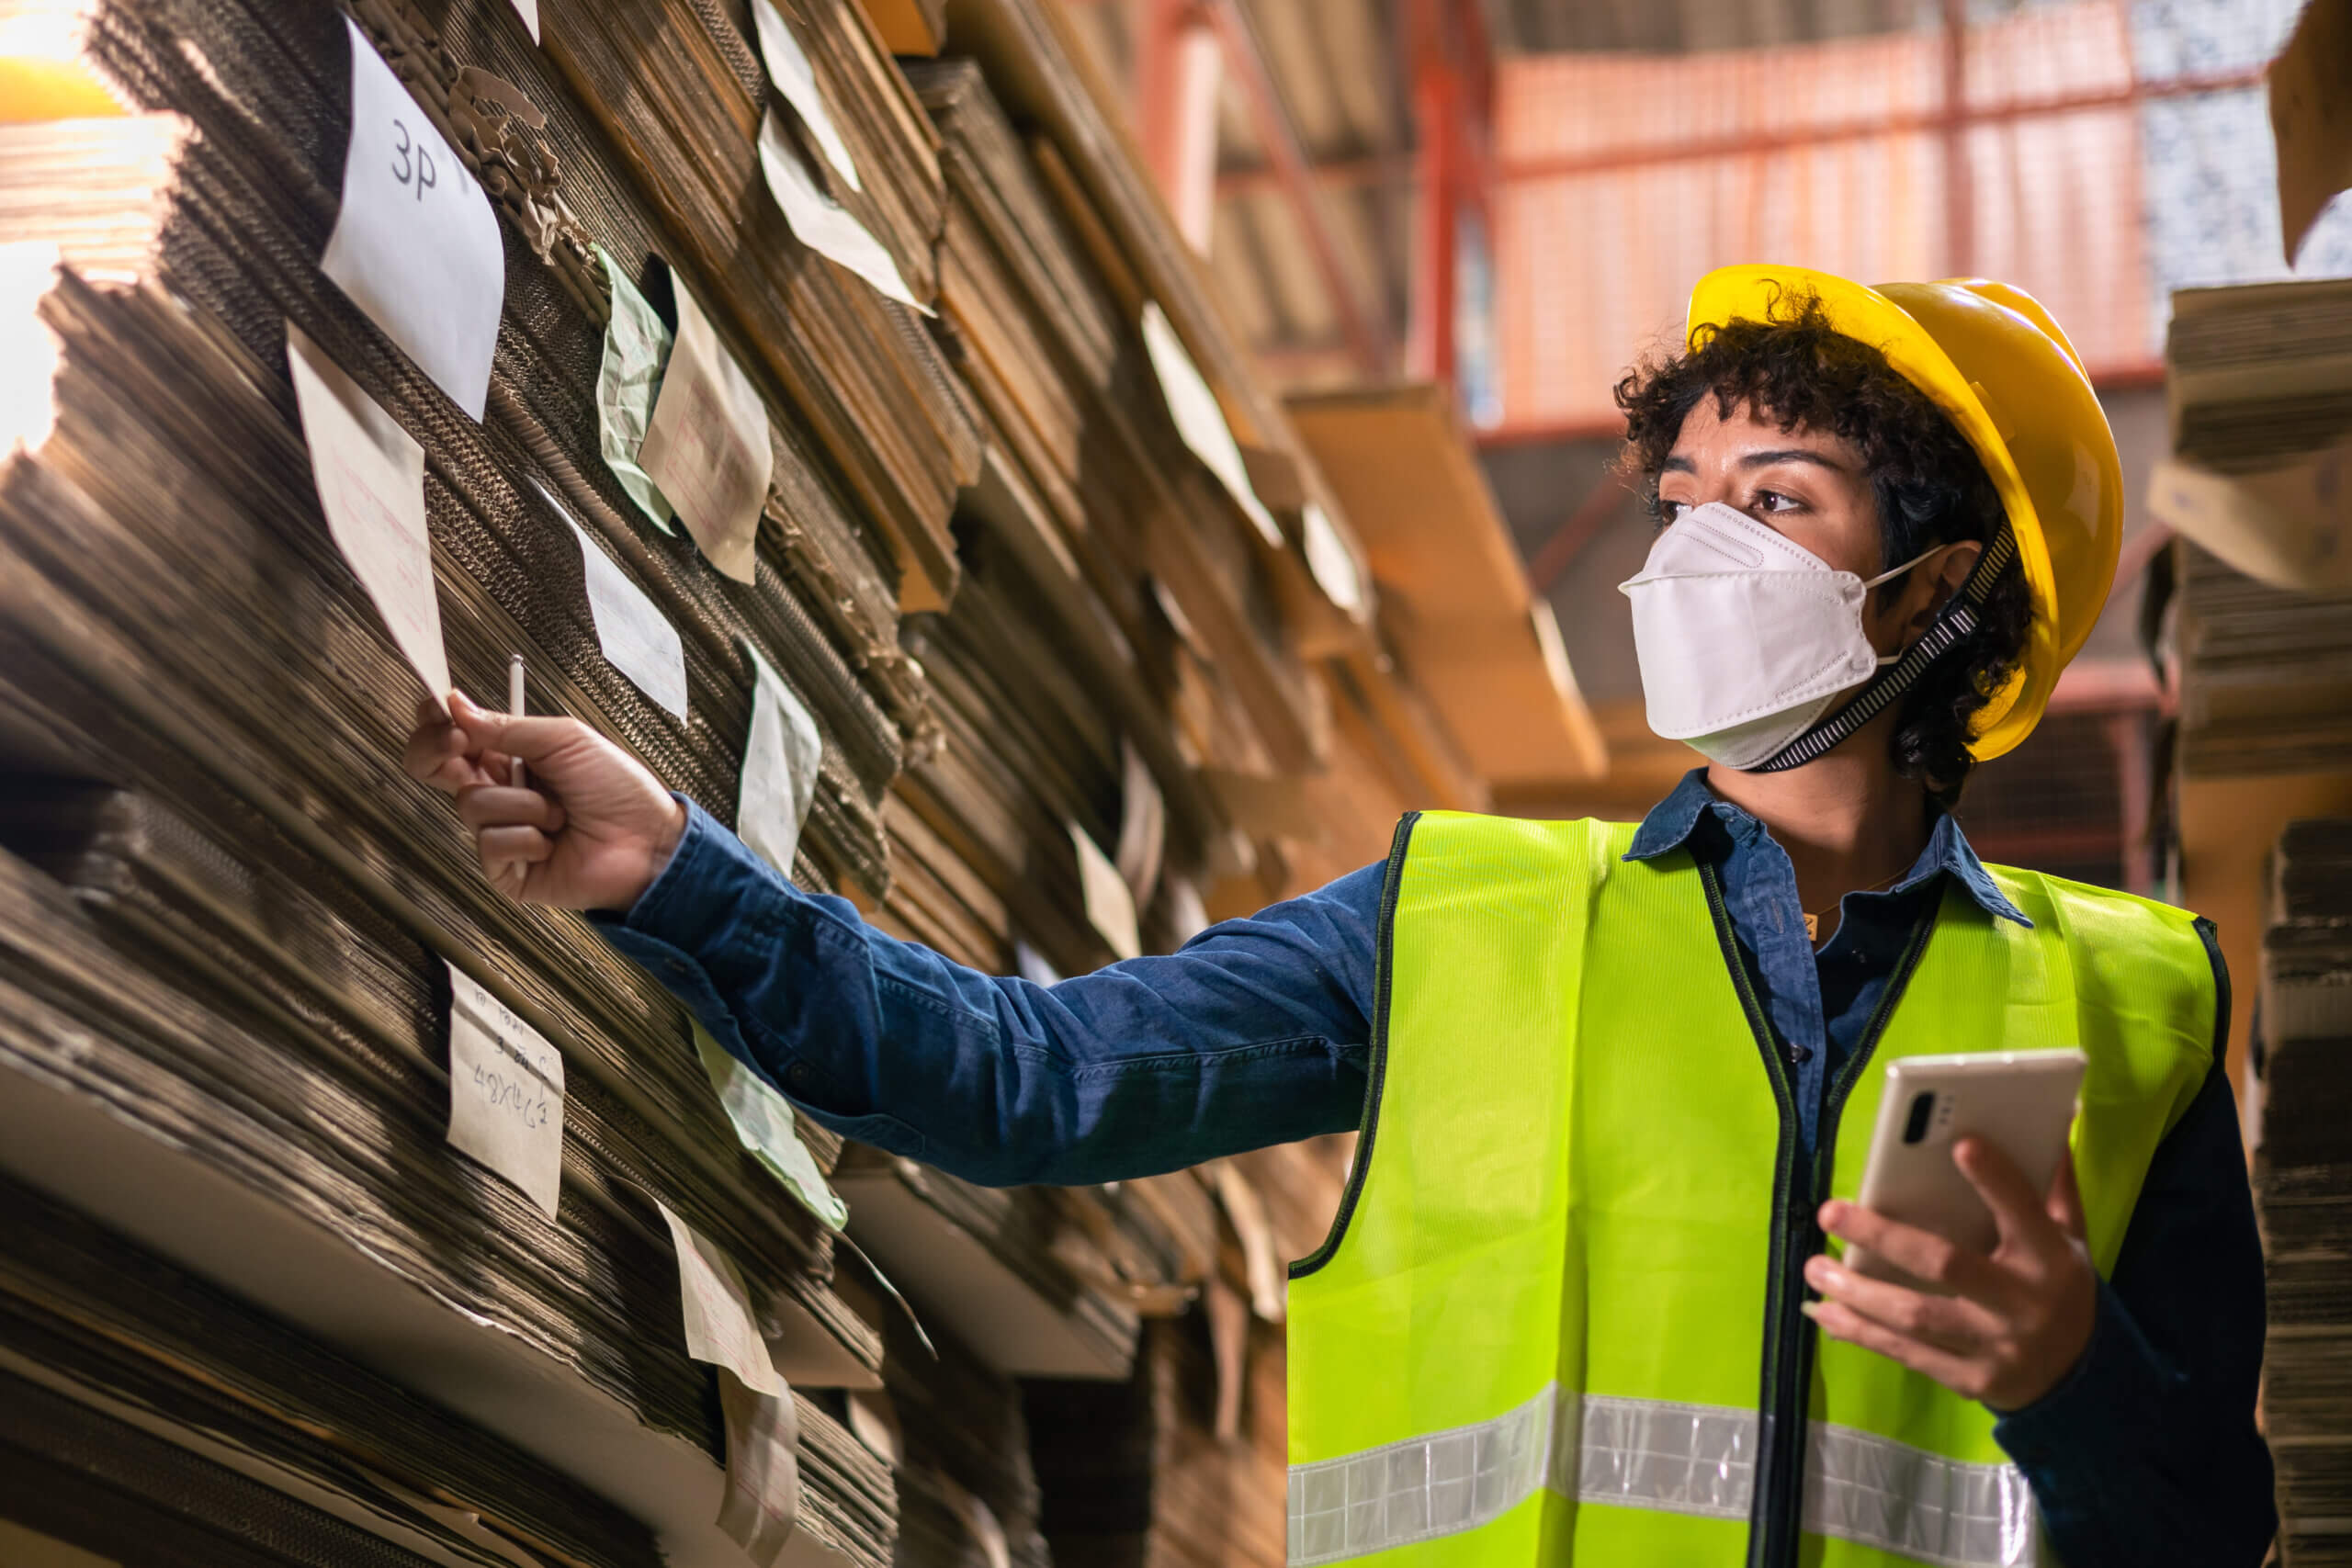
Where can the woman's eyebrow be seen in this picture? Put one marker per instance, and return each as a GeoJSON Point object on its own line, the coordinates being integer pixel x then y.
{"type": "Point", "coordinates": [1789, 454]}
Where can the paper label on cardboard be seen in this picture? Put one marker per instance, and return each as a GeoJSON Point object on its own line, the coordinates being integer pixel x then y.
{"type": "Point", "coordinates": [980, 1522]}
{"type": "Point", "coordinates": [1032, 965]}
{"type": "Point", "coordinates": [2290, 527]}
{"type": "Point", "coordinates": [1200, 419]}
{"type": "Point", "coordinates": [1143, 824]}
{"type": "Point", "coordinates": [1261, 1255]}
{"type": "Point", "coordinates": [370, 475]}
{"type": "Point", "coordinates": [1187, 915]}
{"type": "Point", "coordinates": [631, 629]}
{"type": "Point", "coordinates": [707, 444]}
{"type": "Point", "coordinates": [1110, 908]}
{"type": "Point", "coordinates": [720, 1327]}
{"type": "Point", "coordinates": [637, 346]}
{"type": "Point", "coordinates": [416, 244]}
{"type": "Point", "coordinates": [761, 1505]}
{"type": "Point", "coordinates": [2309, 120]}
{"type": "Point", "coordinates": [780, 762]}
{"type": "Point", "coordinates": [765, 1126]}
{"type": "Point", "coordinates": [795, 78]}
{"type": "Point", "coordinates": [505, 1092]}
{"type": "Point", "coordinates": [1329, 561]}
{"type": "Point", "coordinates": [529, 11]}
{"type": "Point", "coordinates": [875, 1422]}
{"type": "Point", "coordinates": [1555, 652]}
{"type": "Point", "coordinates": [822, 224]}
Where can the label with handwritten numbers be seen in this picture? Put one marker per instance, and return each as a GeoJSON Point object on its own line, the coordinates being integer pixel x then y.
{"type": "Point", "coordinates": [505, 1091]}
{"type": "Point", "coordinates": [416, 244]}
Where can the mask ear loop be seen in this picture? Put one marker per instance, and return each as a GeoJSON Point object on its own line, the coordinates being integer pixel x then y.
{"type": "Point", "coordinates": [1954, 623]}
{"type": "Point", "coordinates": [1889, 576]}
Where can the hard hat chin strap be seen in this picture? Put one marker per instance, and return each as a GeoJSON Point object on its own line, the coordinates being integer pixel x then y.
{"type": "Point", "coordinates": [1957, 618]}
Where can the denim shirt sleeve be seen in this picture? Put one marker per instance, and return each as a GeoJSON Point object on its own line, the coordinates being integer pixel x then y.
{"type": "Point", "coordinates": [2146, 1453]}
{"type": "Point", "coordinates": [1256, 1032]}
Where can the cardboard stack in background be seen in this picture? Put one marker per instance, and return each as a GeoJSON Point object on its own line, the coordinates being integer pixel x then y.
{"type": "Point", "coordinates": [2260, 385]}
{"type": "Point", "coordinates": [1081, 676]}
{"type": "Point", "coordinates": [2303, 1184]}
{"type": "Point", "coordinates": [228, 1011]}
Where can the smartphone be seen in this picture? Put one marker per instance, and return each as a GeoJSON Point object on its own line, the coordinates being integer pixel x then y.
{"type": "Point", "coordinates": [2020, 1101]}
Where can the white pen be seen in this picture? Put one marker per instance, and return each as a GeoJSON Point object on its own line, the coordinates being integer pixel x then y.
{"type": "Point", "coordinates": [515, 774]}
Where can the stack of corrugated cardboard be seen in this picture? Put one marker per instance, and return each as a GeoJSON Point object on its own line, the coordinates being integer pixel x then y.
{"type": "Point", "coordinates": [2303, 1184]}
{"type": "Point", "coordinates": [855, 444]}
{"type": "Point", "coordinates": [2260, 382]}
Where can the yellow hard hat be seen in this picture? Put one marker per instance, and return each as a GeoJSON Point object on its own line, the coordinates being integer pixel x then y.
{"type": "Point", "coordinates": [1990, 357]}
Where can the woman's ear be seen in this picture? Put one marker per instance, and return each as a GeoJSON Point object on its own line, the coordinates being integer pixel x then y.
{"type": "Point", "coordinates": [1935, 583]}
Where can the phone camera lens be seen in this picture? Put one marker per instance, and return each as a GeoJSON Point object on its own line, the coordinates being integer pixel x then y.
{"type": "Point", "coordinates": [1915, 1128]}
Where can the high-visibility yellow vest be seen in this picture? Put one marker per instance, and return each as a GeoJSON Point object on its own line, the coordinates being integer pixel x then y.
{"type": "Point", "coordinates": [1556, 1319]}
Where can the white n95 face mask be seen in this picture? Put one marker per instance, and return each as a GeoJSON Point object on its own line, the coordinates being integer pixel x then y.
{"type": "Point", "coordinates": [1745, 638]}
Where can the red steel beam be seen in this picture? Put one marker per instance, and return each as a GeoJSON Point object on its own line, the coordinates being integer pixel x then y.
{"type": "Point", "coordinates": [1375, 169]}
{"type": "Point", "coordinates": [1344, 173]}
{"type": "Point", "coordinates": [1245, 57]}
{"type": "Point", "coordinates": [1960, 182]}
{"type": "Point", "coordinates": [1888, 124]}
{"type": "Point", "coordinates": [1430, 353]}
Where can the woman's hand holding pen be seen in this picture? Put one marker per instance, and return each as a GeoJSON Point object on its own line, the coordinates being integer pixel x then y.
{"type": "Point", "coordinates": [593, 831]}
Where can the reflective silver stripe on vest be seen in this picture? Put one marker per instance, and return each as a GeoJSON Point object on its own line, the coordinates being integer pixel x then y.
{"type": "Point", "coordinates": [1643, 1454]}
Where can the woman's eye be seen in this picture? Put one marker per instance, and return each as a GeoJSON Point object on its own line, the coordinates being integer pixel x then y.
{"type": "Point", "coordinates": [1773, 501]}
{"type": "Point", "coordinates": [1669, 511]}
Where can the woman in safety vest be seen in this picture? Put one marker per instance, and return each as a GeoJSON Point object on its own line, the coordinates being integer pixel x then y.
{"type": "Point", "coordinates": [1615, 1082]}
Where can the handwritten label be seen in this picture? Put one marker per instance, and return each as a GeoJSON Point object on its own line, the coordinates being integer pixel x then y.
{"type": "Point", "coordinates": [707, 444]}
{"type": "Point", "coordinates": [1110, 908]}
{"type": "Point", "coordinates": [631, 629]}
{"type": "Point", "coordinates": [720, 1327]}
{"type": "Point", "coordinates": [789, 67]}
{"type": "Point", "coordinates": [370, 475]}
{"type": "Point", "coordinates": [416, 245]}
{"type": "Point", "coordinates": [780, 764]}
{"type": "Point", "coordinates": [822, 224]}
{"type": "Point", "coordinates": [766, 1127]}
{"type": "Point", "coordinates": [505, 1091]}
{"type": "Point", "coordinates": [760, 1507]}
{"type": "Point", "coordinates": [1200, 419]}
{"type": "Point", "coordinates": [637, 346]}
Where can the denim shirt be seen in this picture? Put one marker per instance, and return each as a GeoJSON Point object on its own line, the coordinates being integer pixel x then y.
{"type": "Point", "coordinates": [1258, 1032]}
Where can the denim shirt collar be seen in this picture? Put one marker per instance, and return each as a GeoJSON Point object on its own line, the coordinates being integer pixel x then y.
{"type": "Point", "coordinates": [1672, 821]}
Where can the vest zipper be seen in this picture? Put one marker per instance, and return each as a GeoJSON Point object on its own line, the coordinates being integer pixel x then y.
{"type": "Point", "coordinates": [1773, 1511]}
{"type": "Point", "coordinates": [1776, 1518]}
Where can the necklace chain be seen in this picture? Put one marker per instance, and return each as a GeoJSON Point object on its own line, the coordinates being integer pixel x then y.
{"type": "Point", "coordinates": [1813, 918]}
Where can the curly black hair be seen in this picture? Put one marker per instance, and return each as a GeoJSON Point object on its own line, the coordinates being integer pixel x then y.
{"type": "Point", "coordinates": [1930, 486]}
